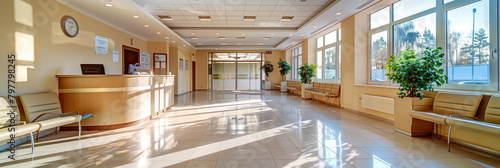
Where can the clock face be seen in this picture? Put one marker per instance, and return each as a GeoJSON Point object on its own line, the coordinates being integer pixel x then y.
{"type": "Point", "coordinates": [69, 26]}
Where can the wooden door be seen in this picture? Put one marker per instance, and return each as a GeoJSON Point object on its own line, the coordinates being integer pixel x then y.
{"type": "Point", "coordinates": [130, 56]}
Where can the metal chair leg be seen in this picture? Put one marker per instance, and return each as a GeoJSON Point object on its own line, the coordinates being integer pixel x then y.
{"type": "Point", "coordinates": [437, 130]}
{"type": "Point", "coordinates": [79, 130]}
{"type": "Point", "coordinates": [32, 144]}
{"type": "Point", "coordinates": [449, 134]}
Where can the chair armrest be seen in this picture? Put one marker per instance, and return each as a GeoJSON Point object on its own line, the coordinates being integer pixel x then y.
{"type": "Point", "coordinates": [457, 115]}
{"type": "Point", "coordinates": [17, 123]}
{"type": "Point", "coordinates": [67, 113]}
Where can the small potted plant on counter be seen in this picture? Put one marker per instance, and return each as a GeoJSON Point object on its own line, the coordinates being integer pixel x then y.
{"type": "Point", "coordinates": [268, 68]}
{"type": "Point", "coordinates": [414, 75]}
{"type": "Point", "coordinates": [285, 68]}
{"type": "Point", "coordinates": [306, 73]}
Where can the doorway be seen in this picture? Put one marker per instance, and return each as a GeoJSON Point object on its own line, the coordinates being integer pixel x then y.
{"type": "Point", "coordinates": [235, 71]}
{"type": "Point", "coordinates": [130, 56]}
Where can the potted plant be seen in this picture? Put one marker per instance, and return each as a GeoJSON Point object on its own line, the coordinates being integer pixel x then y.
{"type": "Point", "coordinates": [268, 68]}
{"type": "Point", "coordinates": [285, 68]}
{"type": "Point", "coordinates": [415, 74]}
{"type": "Point", "coordinates": [306, 73]}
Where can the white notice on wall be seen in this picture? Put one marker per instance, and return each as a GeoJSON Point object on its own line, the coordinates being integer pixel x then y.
{"type": "Point", "coordinates": [145, 60]}
{"type": "Point", "coordinates": [115, 55]}
{"type": "Point", "coordinates": [101, 45]}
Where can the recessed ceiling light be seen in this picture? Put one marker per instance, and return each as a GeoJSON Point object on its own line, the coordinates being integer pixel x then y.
{"type": "Point", "coordinates": [291, 34]}
{"type": "Point", "coordinates": [184, 45]}
{"type": "Point", "coordinates": [338, 13]}
{"type": "Point", "coordinates": [222, 38]}
{"type": "Point", "coordinates": [286, 18]}
{"type": "Point", "coordinates": [314, 27]}
{"type": "Point", "coordinates": [167, 37]}
{"type": "Point", "coordinates": [136, 16]}
{"type": "Point", "coordinates": [239, 44]}
{"type": "Point", "coordinates": [266, 38]}
{"type": "Point", "coordinates": [217, 34]}
{"type": "Point", "coordinates": [165, 17]}
{"type": "Point", "coordinates": [109, 5]}
{"type": "Point", "coordinates": [216, 48]}
{"type": "Point", "coordinates": [205, 18]}
{"type": "Point", "coordinates": [146, 25]}
{"type": "Point", "coordinates": [302, 35]}
{"type": "Point", "coordinates": [192, 34]}
{"type": "Point", "coordinates": [173, 41]}
{"type": "Point", "coordinates": [261, 44]}
{"type": "Point", "coordinates": [242, 34]}
{"type": "Point", "coordinates": [158, 32]}
{"type": "Point", "coordinates": [272, 34]}
{"type": "Point", "coordinates": [193, 37]}
{"type": "Point", "coordinates": [248, 18]}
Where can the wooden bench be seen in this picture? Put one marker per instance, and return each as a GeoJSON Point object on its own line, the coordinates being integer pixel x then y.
{"type": "Point", "coordinates": [328, 90]}
{"type": "Point", "coordinates": [293, 86]}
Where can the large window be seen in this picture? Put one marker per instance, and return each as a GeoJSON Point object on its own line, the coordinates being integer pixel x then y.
{"type": "Point", "coordinates": [466, 29]}
{"type": "Point", "coordinates": [328, 57]}
{"type": "Point", "coordinates": [296, 62]}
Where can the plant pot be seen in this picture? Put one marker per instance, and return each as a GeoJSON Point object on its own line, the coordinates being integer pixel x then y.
{"type": "Point", "coordinates": [404, 123]}
{"type": "Point", "coordinates": [283, 87]}
{"type": "Point", "coordinates": [303, 91]}
{"type": "Point", "coordinates": [267, 85]}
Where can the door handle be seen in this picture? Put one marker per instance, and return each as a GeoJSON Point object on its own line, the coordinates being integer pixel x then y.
{"type": "Point", "coordinates": [493, 53]}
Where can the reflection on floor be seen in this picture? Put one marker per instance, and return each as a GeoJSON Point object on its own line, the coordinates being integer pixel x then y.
{"type": "Point", "coordinates": [248, 129]}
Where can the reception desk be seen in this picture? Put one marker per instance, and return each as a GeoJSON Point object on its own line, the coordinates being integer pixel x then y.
{"type": "Point", "coordinates": [115, 100]}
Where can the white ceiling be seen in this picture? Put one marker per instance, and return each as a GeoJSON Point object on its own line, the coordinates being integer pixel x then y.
{"type": "Point", "coordinates": [310, 17]}
{"type": "Point", "coordinates": [229, 13]}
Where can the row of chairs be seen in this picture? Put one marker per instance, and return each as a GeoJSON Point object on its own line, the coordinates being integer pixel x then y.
{"type": "Point", "coordinates": [328, 90]}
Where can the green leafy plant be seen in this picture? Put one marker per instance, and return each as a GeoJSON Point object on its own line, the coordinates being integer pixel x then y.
{"type": "Point", "coordinates": [416, 74]}
{"type": "Point", "coordinates": [285, 68]}
{"type": "Point", "coordinates": [268, 68]}
{"type": "Point", "coordinates": [307, 71]}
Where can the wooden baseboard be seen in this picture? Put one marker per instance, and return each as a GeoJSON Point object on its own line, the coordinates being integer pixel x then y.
{"type": "Point", "coordinates": [369, 115]}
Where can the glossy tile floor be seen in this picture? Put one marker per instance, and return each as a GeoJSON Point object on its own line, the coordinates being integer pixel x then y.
{"type": "Point", "coordinates": [248, 129]}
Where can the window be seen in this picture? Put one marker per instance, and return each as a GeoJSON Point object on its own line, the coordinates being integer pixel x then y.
{"type": "Point", "coordinates": [296, 62]}
{"type": "Point", "coordinates": [469, 38]}
{"type": "Point", "coordinates": [328, 57]}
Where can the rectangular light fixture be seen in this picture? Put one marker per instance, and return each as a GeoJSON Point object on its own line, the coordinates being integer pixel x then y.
{"type": "Point", "coordinates": [286, 18]}
{"type": "Point", "coordinates": [193, 37]}
{"type": "Point", "coordinates": [222, 38]}
{"type": "Point", "coordinates": [165, 17]}
{"type": "Point", "coordinates": [205, 18]}
{"type": "Point", "coordinates": [266, 38]}
{"type": "Point", "coordinates": [248, 18]}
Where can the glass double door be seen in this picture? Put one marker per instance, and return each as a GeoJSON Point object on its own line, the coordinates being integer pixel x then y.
{"type": "Point", "coordinates": [236, 75]}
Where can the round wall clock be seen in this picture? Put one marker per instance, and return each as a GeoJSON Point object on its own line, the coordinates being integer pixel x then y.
{"type": "Point", "coordinates": [69, 26]}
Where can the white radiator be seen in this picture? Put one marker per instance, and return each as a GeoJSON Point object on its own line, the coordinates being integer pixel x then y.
{"type": "Point", "coordinates": [378, 103]}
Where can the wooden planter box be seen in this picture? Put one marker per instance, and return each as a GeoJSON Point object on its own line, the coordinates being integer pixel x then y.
{"type": "Point", "coordinates": [403, 123]}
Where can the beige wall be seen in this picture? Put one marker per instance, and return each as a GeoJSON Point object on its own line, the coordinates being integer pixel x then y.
{"type": "Point", "coordinates": [183, 77]}
{"type": "Point", "coordinates": [202, 65]}
{"type": "Point", "coordinates": [53, 53]}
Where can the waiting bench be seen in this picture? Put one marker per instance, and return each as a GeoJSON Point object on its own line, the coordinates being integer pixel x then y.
{"type": "Point", "coordinates": [19, 129]}
{"type": "Point", "coordinates": [293, 86]}
{"type": "Point", "coordinates": [460, 111]}
{"type": "Point", "coordinates": [328, 90]}
{"type": "Point", "coordinates": [45, 110]}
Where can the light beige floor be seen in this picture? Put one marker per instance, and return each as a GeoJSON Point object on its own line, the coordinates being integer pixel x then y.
{"type": "Point", "coordinates": [248, 129]}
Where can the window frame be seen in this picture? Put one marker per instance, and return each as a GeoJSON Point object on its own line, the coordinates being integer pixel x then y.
{"type": "Point", "coordinates": [440, 11]}
{"type": "Point", "coordinates": [296, 54]}
{"type": "Point", "coordinates": [337, 45]}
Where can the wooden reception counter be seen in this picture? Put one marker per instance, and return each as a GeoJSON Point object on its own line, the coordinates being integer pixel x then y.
{"type": "Point", "coordinates": [115, 100]}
